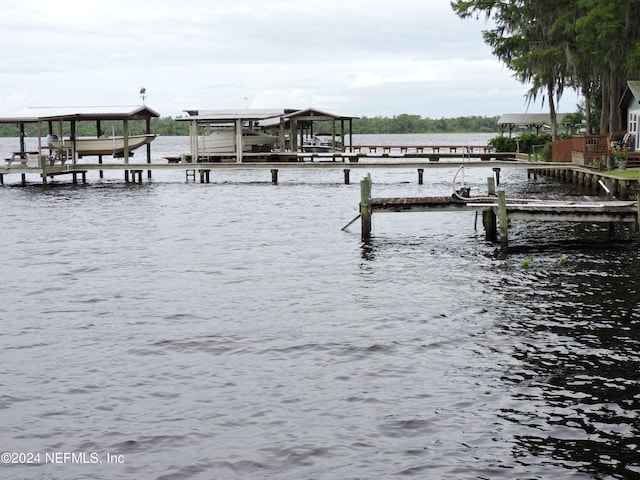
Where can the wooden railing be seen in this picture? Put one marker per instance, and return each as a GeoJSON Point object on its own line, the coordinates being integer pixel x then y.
{"type": "Point", "coordinates": [591, 144]}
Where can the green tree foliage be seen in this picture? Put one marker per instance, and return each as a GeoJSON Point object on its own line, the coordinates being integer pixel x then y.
{"type": "Point", "coordinates": [405, 123]}
{"type": "Point", "coordinates": [591, 45]}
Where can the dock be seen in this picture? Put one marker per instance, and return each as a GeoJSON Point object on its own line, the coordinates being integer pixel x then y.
{"type": "Point", "coordinates": [497, 210]}
{"type": "Point", "coordinates": [431, 153]}
{"type": "Point", "coordinates": [133, 171]}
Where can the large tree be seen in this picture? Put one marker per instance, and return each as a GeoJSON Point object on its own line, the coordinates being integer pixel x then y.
{"type": "Point", "coordinates": [591, 45]}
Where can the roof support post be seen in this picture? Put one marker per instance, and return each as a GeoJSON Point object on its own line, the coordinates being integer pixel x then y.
{"type": "Point", "coordinates": [125, 135]}
{"type": "Point", "coordinates": [283, 140]}
{"type": "Point", "coordinates": [148, 125]}
{"type": "Point", "coordinates": [239, 146]}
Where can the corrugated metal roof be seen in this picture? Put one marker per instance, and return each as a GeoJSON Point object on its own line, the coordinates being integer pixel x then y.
{"type": "Point", "coordinates": [267, 117]}
{"type": "Point", "coordinates": [120, 112]}
{"type": "Point", "coordinates": [308, 114]}
{"type": "Point", "coordinates": [318, 113]}
{"type": "Point", "coordinates": [224, 116]}
{"type": "Point", "coordinates": [529, 118]}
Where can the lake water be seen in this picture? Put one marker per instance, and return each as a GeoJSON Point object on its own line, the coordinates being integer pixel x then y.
{"type": "Point", "coordinates": [173, 330]}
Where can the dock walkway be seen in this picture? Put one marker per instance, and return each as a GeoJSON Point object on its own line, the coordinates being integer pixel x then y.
{"type": "Point", "coordinates": [593, 210]}
{"type": "Point", "coordinates": [432, 153]}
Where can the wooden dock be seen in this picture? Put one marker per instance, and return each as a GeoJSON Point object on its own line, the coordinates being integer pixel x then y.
{"type": "Point", "coordinates": [356, 153]}
{"type": "Point", "coordinates": [502, 208]}
{"type": "Point", "coordinates": [191, 171]}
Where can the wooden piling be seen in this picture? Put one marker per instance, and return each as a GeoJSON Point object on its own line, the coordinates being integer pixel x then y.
{"type": "Point", "coordinates": [365, 207]}
{"type": "Point", "coordinates": [489, 224]}
{"type": "Point", "coordinates": [347, 172]}
{"type": "Point", "coordinates": [496, 174]}
{"type": "Point", "coordinates": [504, 218]}
{"type": "Point", "coordinates": [638, 206]}
{"type": "Point", "coordinates": [274, 176]}
{"type": "Point", "coordinates": [204, 175]}
{"type": "Point", "coordinates": [491, 186]}
{"type": "Point", "coordinates": [420, 176]}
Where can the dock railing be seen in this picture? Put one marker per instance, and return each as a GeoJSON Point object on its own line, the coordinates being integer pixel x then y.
{"type": "Point", "coordinates": [591, 144]}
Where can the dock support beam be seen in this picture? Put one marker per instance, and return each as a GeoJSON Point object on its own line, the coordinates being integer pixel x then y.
{"type": "Point", "coordinates": [490, 225]}
{"type": "Point", "coordinates": [204, 175]}
{"type": "Point", "coordinates": [365, 207]}
{"type": "Point", "coordinates": [347, 172]}
{"type": "Point", "coordinates": [504, 218]}
{"type": "Point", "coordinates": [420, 176]}
{"type": "Point", "coordinates": [190, 174]}
{"type": "Point", "coordinates": [274, 176]}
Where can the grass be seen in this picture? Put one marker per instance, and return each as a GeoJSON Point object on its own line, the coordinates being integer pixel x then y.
{"type": "Point", "coordinates": [629, 174]}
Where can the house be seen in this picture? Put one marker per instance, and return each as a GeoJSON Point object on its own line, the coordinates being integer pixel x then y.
{"type": "Point", "coordinates": [630, 108]}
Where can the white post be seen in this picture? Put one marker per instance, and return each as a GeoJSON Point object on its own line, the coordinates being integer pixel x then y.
{"type": "Point", "coordinates": [239, 146]}
{"type": "Point", "coordinates": [194, 142]}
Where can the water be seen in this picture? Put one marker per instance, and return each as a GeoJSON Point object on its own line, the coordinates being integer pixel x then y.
{"type": "Point", "coordinates": [233, 330]}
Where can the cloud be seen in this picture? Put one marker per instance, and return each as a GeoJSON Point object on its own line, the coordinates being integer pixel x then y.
{"type": "Point", "coordinates": [369, 57]}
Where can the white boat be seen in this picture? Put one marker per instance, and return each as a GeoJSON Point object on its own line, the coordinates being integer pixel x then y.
{"type": "Point", "coordinates": [99, 146]}
{"type": "Point", "coordinates": [320, 144]}
{"type": "Point", "coordinates": [224, 141]}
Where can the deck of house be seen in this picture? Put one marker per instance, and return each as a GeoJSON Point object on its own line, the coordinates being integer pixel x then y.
{"type": "Point", "coordinates": [586, 150]}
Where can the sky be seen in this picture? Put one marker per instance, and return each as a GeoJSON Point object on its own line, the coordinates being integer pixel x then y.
{"type": "Point", "coordinates": [355, 57]}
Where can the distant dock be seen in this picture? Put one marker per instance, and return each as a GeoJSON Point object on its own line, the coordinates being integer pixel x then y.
{"type": "Point", "coordinates": [356, 153]}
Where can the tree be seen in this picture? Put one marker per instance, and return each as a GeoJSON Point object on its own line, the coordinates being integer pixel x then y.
{"type": "Point", "coordinates": [591, 45]}
{"type": "Point", "coordinates": [608, 39]}
{"type": "Point", "coordinates": [527, 40]}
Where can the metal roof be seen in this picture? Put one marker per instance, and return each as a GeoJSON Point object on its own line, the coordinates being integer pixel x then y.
{"type": "Point", "coordinates": [313, 112]}
{"type": "Point", "coordinates": [309, 114]}
{"type": "Point", "coordinates": [122, 112]}
{"type": "Point", "coordinates": [270, 116]}
{"type": "Point", "coordinates": [529, 118]}
{"type": "Point", "coordinates": [228, 116]}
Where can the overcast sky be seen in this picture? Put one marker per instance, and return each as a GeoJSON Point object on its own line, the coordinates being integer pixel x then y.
{"type": "Point", "coordinates": [358, 57]}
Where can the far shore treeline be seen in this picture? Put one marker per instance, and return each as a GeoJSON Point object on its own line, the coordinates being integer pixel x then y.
{"type": "Point", "coordinates": [403, 123]}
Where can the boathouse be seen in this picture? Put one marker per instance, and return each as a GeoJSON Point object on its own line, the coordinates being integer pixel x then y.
{"type": "Point", "coordinates": [536, 122]}
{"type": "Point", "coordinates": [63, 146]}
{"type": "Point", "coordinates": [247, 135]}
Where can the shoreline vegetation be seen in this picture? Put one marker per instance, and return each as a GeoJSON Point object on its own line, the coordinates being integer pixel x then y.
{"type": "Point", "coordinates": [398, 124]}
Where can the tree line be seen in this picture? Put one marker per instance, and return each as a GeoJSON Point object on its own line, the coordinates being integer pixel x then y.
{"type": "Point", "coordinates": [592, 46]}
{"type": "Point", "coordinates": [404, 123]}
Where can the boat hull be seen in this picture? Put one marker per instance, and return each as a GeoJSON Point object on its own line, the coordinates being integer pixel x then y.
{"type": "Point", "coordinates": [224, 142]}
{"type": "Point", "coordinates": [102, 146]}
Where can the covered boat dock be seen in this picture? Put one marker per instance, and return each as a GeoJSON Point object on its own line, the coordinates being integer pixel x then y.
{"type": "Point", "coordinates": [283, 132]}
{"type": "Point", "coordinates": [535, 122]}
{"type": "Point", "coordinates": [58, 126]}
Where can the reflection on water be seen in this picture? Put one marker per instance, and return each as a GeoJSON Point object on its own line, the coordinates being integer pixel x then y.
{"type": "Point", "coordinates": [576, 393]}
